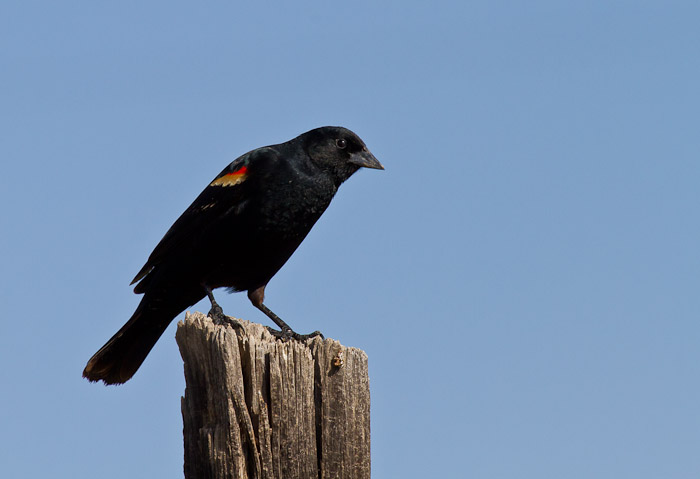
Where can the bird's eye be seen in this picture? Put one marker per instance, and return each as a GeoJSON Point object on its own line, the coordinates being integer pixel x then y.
{"type": "Point", "coordinates": [341, 143]}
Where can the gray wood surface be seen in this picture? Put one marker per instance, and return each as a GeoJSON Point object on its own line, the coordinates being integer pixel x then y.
{"type": "Point", "coordinates": [256, 407]}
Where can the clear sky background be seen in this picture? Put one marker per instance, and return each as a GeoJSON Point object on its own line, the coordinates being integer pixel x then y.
{"type": "Point", "coordinates": [524, 276]}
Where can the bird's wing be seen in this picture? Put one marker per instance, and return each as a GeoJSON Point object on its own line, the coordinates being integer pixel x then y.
{"type": "Point", "coordinates": [226, 195]}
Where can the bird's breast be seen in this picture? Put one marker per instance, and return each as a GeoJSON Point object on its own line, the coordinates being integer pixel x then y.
{"type": "Point", "coordinates": [292, 207]}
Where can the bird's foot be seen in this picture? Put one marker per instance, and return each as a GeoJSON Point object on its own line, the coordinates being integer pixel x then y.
{"type": "Point", "coordinates": [217, 315]}
{"type": "Point", "coordinates": [287, 334]}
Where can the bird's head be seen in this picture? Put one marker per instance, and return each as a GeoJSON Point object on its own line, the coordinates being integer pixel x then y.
{"type": "Point", "coordinates": [338, 151]}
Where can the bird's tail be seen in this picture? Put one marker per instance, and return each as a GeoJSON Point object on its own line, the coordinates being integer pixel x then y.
{"type": "Point", "coordinates": [119, 359]}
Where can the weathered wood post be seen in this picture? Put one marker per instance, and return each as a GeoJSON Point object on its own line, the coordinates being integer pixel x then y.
{"type": "Point", "coordinates": [255, 407]}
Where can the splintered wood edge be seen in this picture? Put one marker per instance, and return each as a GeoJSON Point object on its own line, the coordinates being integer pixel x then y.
{"type": "Point", "coordinates": [200, 321]}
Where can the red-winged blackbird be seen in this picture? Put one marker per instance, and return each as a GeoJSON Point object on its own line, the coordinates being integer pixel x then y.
{"type": "Point", "coordinates": [237, 234]}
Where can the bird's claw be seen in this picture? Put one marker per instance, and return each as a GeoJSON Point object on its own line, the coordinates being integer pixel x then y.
{"type": "Point", "coordinates": [217, 315]}
{"type": "Point", "coordinates": [304, 337]}
{"type": "Point", "coordinates": [287, 334]}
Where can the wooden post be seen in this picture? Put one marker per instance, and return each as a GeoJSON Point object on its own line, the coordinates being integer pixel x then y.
{"type": "Point", "coordinates": [256, 407]}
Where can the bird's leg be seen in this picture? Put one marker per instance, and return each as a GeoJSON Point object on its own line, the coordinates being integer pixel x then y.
{"type": "Point", "coordinates": [256, 297]}
{"type": "Point", "coordinates": [216, 313]}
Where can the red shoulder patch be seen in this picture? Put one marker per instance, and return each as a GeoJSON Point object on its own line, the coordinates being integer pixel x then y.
{"type": "Point", "coordinates": [231, 179]}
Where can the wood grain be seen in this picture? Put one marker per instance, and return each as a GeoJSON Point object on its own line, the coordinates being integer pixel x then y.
{"type": "Point", "coordinates": [257, 407]}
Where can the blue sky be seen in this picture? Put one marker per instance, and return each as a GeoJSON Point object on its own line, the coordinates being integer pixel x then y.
{"type": "Point", "coordinates": [523, 276]}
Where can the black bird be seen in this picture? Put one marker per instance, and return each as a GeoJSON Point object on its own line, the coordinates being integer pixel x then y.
{"type": "Point", "coordinates": [237, 234]}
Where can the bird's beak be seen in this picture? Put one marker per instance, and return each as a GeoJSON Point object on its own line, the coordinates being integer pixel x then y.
{"type": "Point", "coordinates": [365, 159]}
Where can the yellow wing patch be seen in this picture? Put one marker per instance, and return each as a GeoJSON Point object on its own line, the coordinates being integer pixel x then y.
{"type": "Point", "coordinates": [231, 179]}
